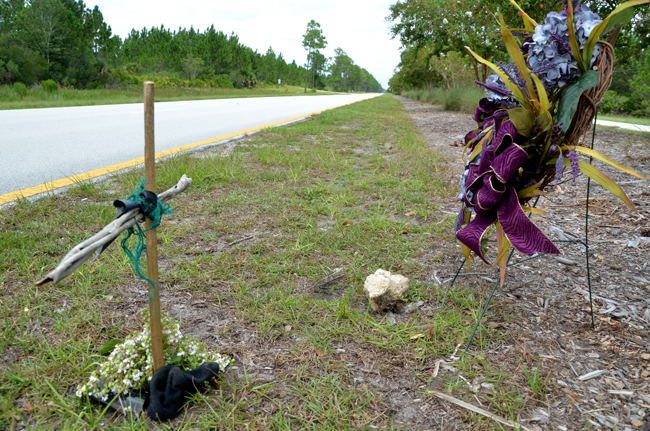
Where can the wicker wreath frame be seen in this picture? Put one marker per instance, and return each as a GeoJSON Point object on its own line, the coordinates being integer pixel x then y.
{"type": "Point", "coordinates": [583, 119]}
{"type": "Point", "coordinates": [587, 105]}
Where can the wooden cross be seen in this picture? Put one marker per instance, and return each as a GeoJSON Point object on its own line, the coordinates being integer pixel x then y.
{"type": "Point", "coordinates": [93, 245]}
{"type": "Point", "coordinates": [152, 236]}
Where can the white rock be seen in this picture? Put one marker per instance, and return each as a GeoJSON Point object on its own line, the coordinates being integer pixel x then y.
{"type": "Point", "coordinates": [384, 289]}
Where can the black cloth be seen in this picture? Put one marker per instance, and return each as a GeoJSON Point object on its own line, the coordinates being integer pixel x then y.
{"type": "Point", "coordinates": [170, 387]}
{"type": "Point", "coordinates": [148, 203]}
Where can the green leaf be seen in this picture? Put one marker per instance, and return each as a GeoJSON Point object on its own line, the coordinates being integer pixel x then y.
{"type": "Point", "coordinates": [523, 120]}
{"type": "Point", "coordinates": [571, 96]}
{"type": "Point", "coordinates": [108, 347]}
{"type": "Point", "coordinates": [602, 179]}
{"type": "Point", "coordinates": [175, 359]}
{"type": "Point", "coordinates": [620, 18]}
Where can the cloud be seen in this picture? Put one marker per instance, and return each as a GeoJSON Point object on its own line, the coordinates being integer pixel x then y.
{"type": "Point", "coordinates": [358, 27]}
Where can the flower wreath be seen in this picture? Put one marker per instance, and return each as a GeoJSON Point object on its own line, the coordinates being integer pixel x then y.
{"type": "Point", "coordinates": [527, 124]}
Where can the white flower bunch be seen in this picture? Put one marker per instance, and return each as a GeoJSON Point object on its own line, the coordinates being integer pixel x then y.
{"type": "Point", "coordinates": [130, 365]}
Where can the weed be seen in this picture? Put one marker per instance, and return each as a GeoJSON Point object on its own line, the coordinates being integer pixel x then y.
{"type": "Point", "coordinates": [536, 381]}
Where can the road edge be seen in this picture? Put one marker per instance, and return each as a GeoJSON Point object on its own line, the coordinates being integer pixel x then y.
{"type": "Point", "coordinates": [61, 185]}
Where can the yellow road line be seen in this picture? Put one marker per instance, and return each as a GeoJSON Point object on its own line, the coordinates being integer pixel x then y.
{"type": "Point", "coordinates": [53, 185]}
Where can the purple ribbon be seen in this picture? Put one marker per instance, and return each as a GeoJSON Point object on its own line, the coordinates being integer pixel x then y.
{"type": "Point", "coordinates": [492, 194]}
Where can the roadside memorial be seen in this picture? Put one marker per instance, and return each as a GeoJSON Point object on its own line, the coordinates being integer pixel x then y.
{"type": "Point", "coordinates": [530, 127]}
{"type": "Point", "coordinates": [134, 377]}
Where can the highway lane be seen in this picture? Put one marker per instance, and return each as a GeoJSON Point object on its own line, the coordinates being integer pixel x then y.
{"type": "Point", "coordinates": [38, 146]}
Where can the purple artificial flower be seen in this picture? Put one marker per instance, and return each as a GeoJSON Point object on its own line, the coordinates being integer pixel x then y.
{"type": "Point", "coordinates": [499, 114]}
{"type": "Point", "coordinates": [459, 220]}
{"type": "Point", "coordinates": [575, 167]}
{"type": "Point", "coordinates": [556, 134]}
{"type": "Point", "coordinates": [493, 88]}
{"type": "Point", "coordinates": [485, 108]}
{"type": "Point", "coordinates": [573, 3]}
{"type": "Point", "coordinates": [508, 104]}
{"type": "Point", "coordinates": [526, 45]}
{"type": "Point", "coordinates": [559, 166]}
{"type": "Point", "coordinates": [515, 76]}
{"type": "Point", "coordinates": [531, 182]}
{"type": "Point", "coordinates": [562, 44]}
{"type": "Point", "coordinates": [544, 68]}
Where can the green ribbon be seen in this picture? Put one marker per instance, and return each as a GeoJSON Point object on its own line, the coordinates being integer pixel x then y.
{"type": "Point", "coordinates": [153, 209]}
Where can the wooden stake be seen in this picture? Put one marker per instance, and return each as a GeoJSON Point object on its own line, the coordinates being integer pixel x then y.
{"type": "Point", "coordinates": [152, 237]}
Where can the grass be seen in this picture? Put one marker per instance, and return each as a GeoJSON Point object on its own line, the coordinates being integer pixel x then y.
{"type": "Point", "coordinates": [322, 196]}
{"type": "Point", "coordinates": [625, 119]}
{"type": "Point", "coordinates": [463, 99]}
{"type": "Point", "coordinates": [619, 129]}
{"type": "Point", "coordinates": [37, 98]}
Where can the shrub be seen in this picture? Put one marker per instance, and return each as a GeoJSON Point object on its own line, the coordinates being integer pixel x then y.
{"type": "Point", "coordinates": [20, 89]}
{"type": "Point", "coordinates": [50, 86]}
{"type": "Point", "coordinates": [463, 99]}
{"type": "Point", "coordinates": [613, 102]}
{"type": "Point", "coordinates": [222, 81]}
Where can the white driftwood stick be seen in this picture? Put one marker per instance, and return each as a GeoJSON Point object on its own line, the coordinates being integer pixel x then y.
{"type": "Point", "coordinates": [478, 410]}
{"type": "Point", "coordinates": [83, 251]}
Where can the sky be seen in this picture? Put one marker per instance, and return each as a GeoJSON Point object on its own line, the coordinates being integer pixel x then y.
{"type": "Point", "coordinates": [356, 26]}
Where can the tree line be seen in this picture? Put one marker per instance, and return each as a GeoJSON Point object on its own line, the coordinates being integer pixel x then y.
{"type": "Point", "coordinates": [344, 75]}
{"type": "Point", "coordinates": [71, 44]}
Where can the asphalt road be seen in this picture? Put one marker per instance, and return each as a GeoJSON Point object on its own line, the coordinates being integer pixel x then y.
{"type": "Point", "coordinates": [38, 146]}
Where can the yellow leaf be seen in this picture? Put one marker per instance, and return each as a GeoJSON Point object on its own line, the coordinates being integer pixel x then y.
{"type": "Point", "coordinates": [529, 191]}
{"type": "Point", "coordinates": [517, 57]}
{"type": "Point", "coordinates": [410, 213]}
{"type": "Point", "coordinates": [468, 255]}
{"type": "Point", "coordinates": [541, 91]}
{"type": "Point", "coordinates": [602, 179]}
{"type": "Point", "coordinates": [479, 147]}
{"type": "Point", "coordinates": [527, 19]}
{"type": "Point", "coordinates": [413, 337]}
{"type": "Point", "coordinates": [596, 155]}
{"type": "Point", "coordinates": [604, 26]}
{"type": "Point", "coordinates": [504, 245]}
{"type": "Point", "coordinates": [573, 41]}
{"type": "Point", "coordinates": [534, 210]}
{"type": "Point", "coordinates": [521, 98]}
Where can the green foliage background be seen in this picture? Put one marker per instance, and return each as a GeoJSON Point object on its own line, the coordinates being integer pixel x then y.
{"type": "Point", "coordinates": [434, 34]}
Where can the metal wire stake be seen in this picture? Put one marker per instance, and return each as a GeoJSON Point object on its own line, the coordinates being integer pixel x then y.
{"type": "Point", "coordinates": [487, 304]}
{"type": "Point", "coordinates": [591, 302]}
